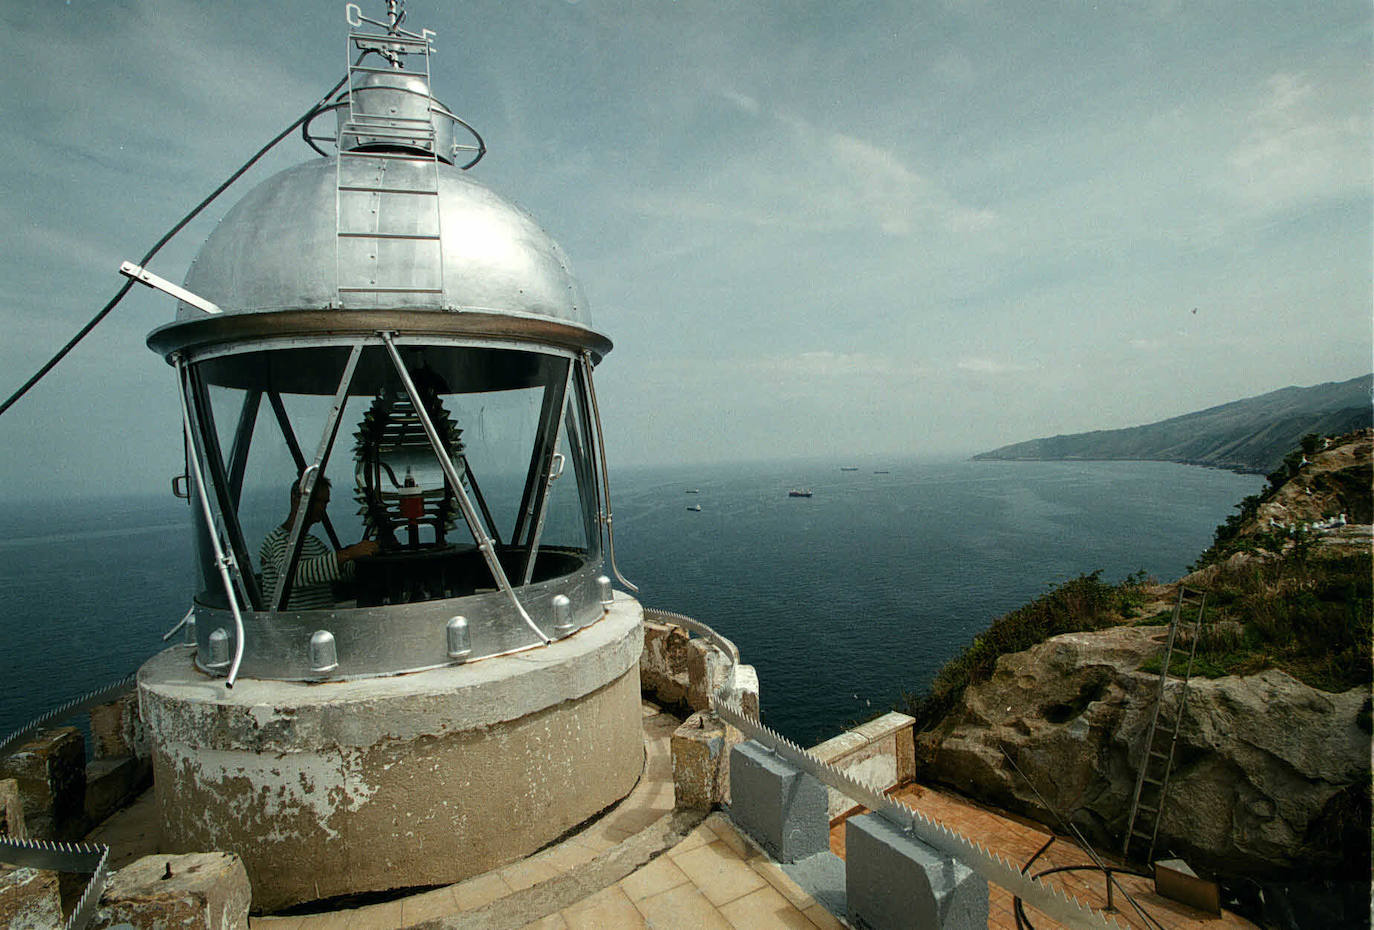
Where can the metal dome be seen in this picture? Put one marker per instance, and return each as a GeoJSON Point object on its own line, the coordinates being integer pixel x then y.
{"type": "Point", "coordinates": [277, 260]}
{"type": "Point", "coordinates": [276, 250]}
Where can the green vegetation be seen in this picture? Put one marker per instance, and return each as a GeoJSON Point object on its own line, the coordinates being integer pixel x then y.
{"type": "Point", "coordinates": [1085, 603]}
{"type": "Point", "coordinates": [1288, 602]}
{"type": "Point", "coordinates": [1306, 614]}
{"type": "Point", "coordinates": [1228, 539]}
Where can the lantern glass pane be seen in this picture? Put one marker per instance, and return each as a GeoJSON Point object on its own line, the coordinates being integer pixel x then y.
{"type": "Point", "coordinates": [499, 427]}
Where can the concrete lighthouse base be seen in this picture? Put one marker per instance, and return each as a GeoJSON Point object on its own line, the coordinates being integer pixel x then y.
{"type": "Point", "coordinates": [419, 779]}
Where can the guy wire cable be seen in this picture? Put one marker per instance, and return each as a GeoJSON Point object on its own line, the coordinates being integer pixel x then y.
{"type": "Point", "coordinates": [124, 289]}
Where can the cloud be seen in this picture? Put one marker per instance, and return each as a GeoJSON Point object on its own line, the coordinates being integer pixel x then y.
{"type": "Point", "coordinates": [741, 101]}
{"type": "Point", "coordinates": [869, 183]}
{"type": "Point", "coordinates": [990, 366]}
{"type": "Point", "coordinates": [1297, 149]}
{"type": "Point", "coordinates": [787, 170]}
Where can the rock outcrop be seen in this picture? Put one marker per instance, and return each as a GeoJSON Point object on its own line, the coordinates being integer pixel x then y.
{"type": "Point", "coordinates": [1265, 768]}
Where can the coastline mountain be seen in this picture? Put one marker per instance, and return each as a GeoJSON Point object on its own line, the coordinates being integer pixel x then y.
{"type": "Point", "coordinates": [1250, 435]}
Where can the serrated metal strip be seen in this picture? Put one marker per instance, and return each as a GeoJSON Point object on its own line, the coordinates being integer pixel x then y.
{"type": "Point", "coordinates": [694, 626]}
{"type": "Point", "coordinates": [85, 702]}
{"type": "Point", "coordinates": [64, 857]}
{"type": "Point", "coordinates": [1053, 902]}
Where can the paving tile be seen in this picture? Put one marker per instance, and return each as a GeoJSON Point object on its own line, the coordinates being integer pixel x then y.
{"type": "Point", "coordinates": [662, 800]}
{"type": "Point", "coordinates": [566, 856]}
{"type": "Point", "coordinates": [525, 874]}
{"type": "Point", "coordinates": [552, 922]}
{"type": "Point", "coordinates": [275, 923]}
{"type": "Point", "coordinates": [608, 908]}
{"type": "Point", "coordinates": [720, 874]}
{"type": "Point", "coordinates": [627, 823]}
{"type": "Point", "coordinates": [725, 831]}
{"type": "Point", "coordinates": [764, 909]}
{"type": "Point", "coordinates": [700, 836]}
{"type": "Point", "coordinates": [822, 918]}
{"type": "Point", "coordinates": [681, 908]}
{"type": "Point", "coordinates": [782, 882]}
{"type": "Point", "coordinates": [440, 902]}
{"type": "Point", "coordinates": [479, 891]}
{"type": "Point", "coordinates": [591, 839]}
{"type": "Point", "coordinates": [375, 917]}
{"type": "Point", "coordinates": [656, 877]}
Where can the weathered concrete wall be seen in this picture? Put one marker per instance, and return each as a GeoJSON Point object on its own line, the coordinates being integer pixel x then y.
{"type": "Point", "coordinates": [413, 780]}
{"type": "Point", "coordinates": [880, 752]}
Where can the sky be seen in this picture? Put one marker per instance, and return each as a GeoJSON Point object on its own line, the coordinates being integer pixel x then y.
{"type": "Point", "coordinates": [813, 230]}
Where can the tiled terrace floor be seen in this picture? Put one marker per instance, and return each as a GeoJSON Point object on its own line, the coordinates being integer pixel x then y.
{"type": "Point", "coordinates": [1018, 840]}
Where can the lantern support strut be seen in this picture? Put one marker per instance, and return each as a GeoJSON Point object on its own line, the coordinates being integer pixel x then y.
{"type": "Point", "coordinates": [310, 478]}
{"type": "Point", "coordinates": [484, 543]}
{"type": "Point", "coordinates": [224, 563]}
{"type": "Point", "coordinates": [605, 478]}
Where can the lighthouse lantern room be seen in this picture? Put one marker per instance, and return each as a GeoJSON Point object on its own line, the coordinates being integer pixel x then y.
{"type": "Point", "coordinates": [397, 485]}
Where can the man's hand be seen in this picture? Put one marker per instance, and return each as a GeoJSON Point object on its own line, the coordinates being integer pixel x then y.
{"type": "Point", "coordinates": [359, 550]}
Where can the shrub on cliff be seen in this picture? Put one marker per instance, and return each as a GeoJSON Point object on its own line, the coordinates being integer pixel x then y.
{"type": "Point", "coordinates": [1307, 615]}
{"type": "Point", "coordinates": [1084, 603]}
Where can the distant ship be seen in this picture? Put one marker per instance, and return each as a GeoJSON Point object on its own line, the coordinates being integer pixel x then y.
{"type": "Point", "coordinates": [882, 472]}
{"type": "Point", "coordinates": [694, 507]}
{"type": "Point", "coordinates": [693, 490]}
{"type": "Point", "coordinates": [799, 492]}
{"type": "Point", "coordinates": [849, 468]}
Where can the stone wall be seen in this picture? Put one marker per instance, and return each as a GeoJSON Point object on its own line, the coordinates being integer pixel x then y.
{"type": "Point", "coordinates": [680, 674]}
{"type": "Point", "coordinates": [880, 753]}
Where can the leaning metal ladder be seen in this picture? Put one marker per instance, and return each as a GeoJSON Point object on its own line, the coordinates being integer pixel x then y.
{"type": "Point", "coordinates": [1157, 763]}
{"type": "Point", "coordinates": [364, 181]}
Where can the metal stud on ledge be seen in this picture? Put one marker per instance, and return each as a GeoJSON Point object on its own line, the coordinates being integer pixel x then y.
{"type": "Point", "coordinates": [190, 630]}
{"type": "Point", "coordinates": [459, 639]}
{"type": "Point", "coordinates": [219, 648]}
{"type": "Point", "coordinates": [324, 654]}
{"type": "Point", "coordinates": [603, 588]}
{"type": "Point", "coordinates": [563, 624]}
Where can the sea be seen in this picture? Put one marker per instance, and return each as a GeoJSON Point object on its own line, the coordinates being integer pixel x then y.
{"type": "Point", "coordinates": [844, 601]}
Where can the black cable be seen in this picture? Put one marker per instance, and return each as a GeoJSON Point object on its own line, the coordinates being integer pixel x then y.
{"type": "Point", "coordinates": [114, 301]}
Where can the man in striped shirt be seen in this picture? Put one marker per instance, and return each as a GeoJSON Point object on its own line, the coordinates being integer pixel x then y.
{"type": "Point", "coordinates": [312, 587]}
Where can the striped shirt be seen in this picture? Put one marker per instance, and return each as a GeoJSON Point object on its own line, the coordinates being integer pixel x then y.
{"type": "Point", "coordinates": [316, 570]}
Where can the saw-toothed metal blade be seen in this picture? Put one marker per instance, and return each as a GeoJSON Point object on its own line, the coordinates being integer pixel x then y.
{"type": "Point", "coordinates": [64, 857]}
{"type": "Point", "coordinates": [91, 699]}
{"type": "Point", "coordinates": [1052, 901]}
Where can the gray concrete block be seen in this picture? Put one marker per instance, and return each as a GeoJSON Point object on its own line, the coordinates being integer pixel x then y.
{"type": "Point", "coordinates": [893, 880]}
{"type": "Point", "coordinates": [783, 809]}
{"type": "Point", "coordinates": [822, 877]}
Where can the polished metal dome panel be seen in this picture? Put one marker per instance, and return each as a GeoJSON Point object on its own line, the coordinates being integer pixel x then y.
{"type": "Point", "coordinates": [279, 249]}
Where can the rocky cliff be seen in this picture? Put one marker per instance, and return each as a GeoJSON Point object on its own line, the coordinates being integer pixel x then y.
{"type": "Point", "coordinates": [1266, 767]}
{"type": "Point", "coordinates": [1272, 771]}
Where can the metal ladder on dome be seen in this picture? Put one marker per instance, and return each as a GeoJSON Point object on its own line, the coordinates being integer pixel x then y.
{"type": "Point", "coordinates": [1161, 739]}
{"type": "Point", "coordinates": [403, 187]}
